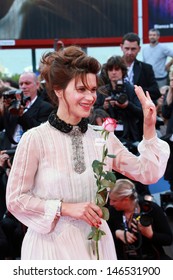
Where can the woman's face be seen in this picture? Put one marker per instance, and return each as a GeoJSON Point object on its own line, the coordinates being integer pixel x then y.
{"type": "Point", "coordinates": [77, 100]}
{"type": "Point", "coordinates": [119, 204]}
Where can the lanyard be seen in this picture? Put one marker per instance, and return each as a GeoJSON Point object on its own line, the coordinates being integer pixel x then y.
{"type": "Point", "coordinates": [125, 223]}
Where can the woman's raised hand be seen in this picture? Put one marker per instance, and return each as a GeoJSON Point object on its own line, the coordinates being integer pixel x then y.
{"type": "Point", "coordinates": [149, 112]}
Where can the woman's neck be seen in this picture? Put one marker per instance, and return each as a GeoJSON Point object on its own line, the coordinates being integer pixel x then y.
{"type": "Point", "coordinates": [67, 118]}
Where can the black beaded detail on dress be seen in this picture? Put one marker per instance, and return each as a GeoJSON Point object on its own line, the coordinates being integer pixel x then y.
{"type": "Point", "coordinates": [63, 126]}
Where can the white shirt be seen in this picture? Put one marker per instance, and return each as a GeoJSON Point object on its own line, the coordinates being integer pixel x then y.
{"type": "Point", "coordinates": [130, 73]}
{"type": "Point", "coordinates": [157, 56]}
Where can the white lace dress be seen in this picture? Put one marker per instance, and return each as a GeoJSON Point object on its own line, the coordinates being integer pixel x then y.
{"type": "Point", "coordinates": [50, 165]}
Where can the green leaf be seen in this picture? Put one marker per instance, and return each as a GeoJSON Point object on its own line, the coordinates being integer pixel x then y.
{"type": "Point", "coordinates": [102, 189]}
{"type": "Point", "coordinates": [98, 170]}
{"type": "Point", "coordinates": [95, 234]}
{"type": "Point", "coordinates": [103, 193]}
{"type": "Point", "coordinates": [100, 199]}
{"type": "Point", "coordinates": [97, 167]}
{"type": "Point", "coordinates": [105, 212]}
{"type": "Point", "coordinates": [111, 156]}
{"type": "Point", "coordinates": [90, 236]}
{"type": "Point", "coordinates": [96, 164]}
{"type": "Point", "coordinates": [110, 176]}
{"type": "Point", "coordinates": [92, 233]}
{"type": "Point", "coordinates": [106, 183]}
{"type": "Point", "coordinates": [100, 234]}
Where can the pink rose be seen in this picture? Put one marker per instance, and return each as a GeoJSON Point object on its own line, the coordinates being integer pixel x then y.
{"type": "Point", "coordinates": [109, 124]}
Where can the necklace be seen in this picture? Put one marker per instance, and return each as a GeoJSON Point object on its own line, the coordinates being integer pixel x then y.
{"type": "Point", "coordinates": [76, 135]}
{"type": "Point", "coordinates": [59, 124]}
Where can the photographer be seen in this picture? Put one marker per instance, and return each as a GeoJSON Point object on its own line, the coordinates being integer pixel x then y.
{"type": "Point", "coordinates": [139, 226]}
{"type": "Point", "coordinates": [4, 167]}
{"type": "Point", "coordinates": [119, 100]}
{"type": "Point", "coordinates": [22, 110]}
{"type": "Point", "coordinates": [11, 230]}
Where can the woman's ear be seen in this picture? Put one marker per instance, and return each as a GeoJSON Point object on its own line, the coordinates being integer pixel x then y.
{"type": "Point", "coordinates": [59, 93]}
{"type": "Point", "coordinates": [126, 199]}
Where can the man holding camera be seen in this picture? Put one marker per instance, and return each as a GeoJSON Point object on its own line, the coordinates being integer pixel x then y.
{"type": "Point", "coordinates": [119, 100]}
{"type": "Point", "coordinates": [22, 110]}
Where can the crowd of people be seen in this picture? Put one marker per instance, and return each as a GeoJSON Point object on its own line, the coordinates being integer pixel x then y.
{"type": "Point", "coordinates": [47, 146]}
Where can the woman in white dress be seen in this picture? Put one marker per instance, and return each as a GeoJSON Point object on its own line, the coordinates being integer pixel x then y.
{"type": "Point", "coordinates": [51, 187]}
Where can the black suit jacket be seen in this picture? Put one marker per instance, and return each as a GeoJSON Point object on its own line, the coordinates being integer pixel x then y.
{"type": "Point", "coordinates": [167, 113]}
{"type": "Point", "coordinates": [144, 77]}
{"type": "Point", "coordinates": [34, 116]}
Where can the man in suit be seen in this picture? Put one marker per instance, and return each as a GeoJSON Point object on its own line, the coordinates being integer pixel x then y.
{"type": "Point", "coordinates": [139, 73]}
{"type": "Point", "coordinates": [32, 111]}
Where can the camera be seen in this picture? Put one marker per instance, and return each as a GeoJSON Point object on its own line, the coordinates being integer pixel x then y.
{"type": "Point", "coordinates": [16, 99]}
{"type": "Point", "coordinates": [120, 96]}
{"type": "Point", "coordinates": [144, 217]}
{"type": "Point", "coordinates": [10, 152]}
{"type": "Point", "coordinates": [167, 203]}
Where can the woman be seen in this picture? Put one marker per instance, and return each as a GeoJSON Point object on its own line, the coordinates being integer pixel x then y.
{"type": "Point", "coordinates": [51, 187]}
{"type": "Point", "coordinates": [139, 226]}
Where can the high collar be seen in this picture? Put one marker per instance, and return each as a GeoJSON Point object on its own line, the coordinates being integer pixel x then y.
{"type": "Point", "coordinates": [61, 125]}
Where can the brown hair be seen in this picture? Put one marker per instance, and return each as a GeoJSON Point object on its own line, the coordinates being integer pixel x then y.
{"type": "Point", "coordinates": [116, 62]}
{"type": "Point", "coordinates": [59, 68]}
{"type": "Point", "coordinates": [131, 37]}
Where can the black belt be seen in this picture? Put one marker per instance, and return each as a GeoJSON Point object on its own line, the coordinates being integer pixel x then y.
{"type": "Point", "coordinates": [160, 79]}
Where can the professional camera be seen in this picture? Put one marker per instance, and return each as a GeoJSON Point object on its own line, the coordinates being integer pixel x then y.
{"type": "Point", "coordinates": [166, 200]}
{"type": "Point", "coordinates": [10, 152]}
{"type": "Point", "coordinates": [120, 96]}
{"type": "Point", "coordinates": [15, 99]}
{"type": "Point", "coordinates": [144, 216]}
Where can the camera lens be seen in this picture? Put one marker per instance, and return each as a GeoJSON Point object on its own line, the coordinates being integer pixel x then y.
{"type": "Point", "coordinates": [145, 220]}
{"type": "Point", "coordinates": [122, 98]}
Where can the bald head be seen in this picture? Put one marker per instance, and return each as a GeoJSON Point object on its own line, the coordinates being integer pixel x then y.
{"type": "Point", "coordinates": [29, 84]}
